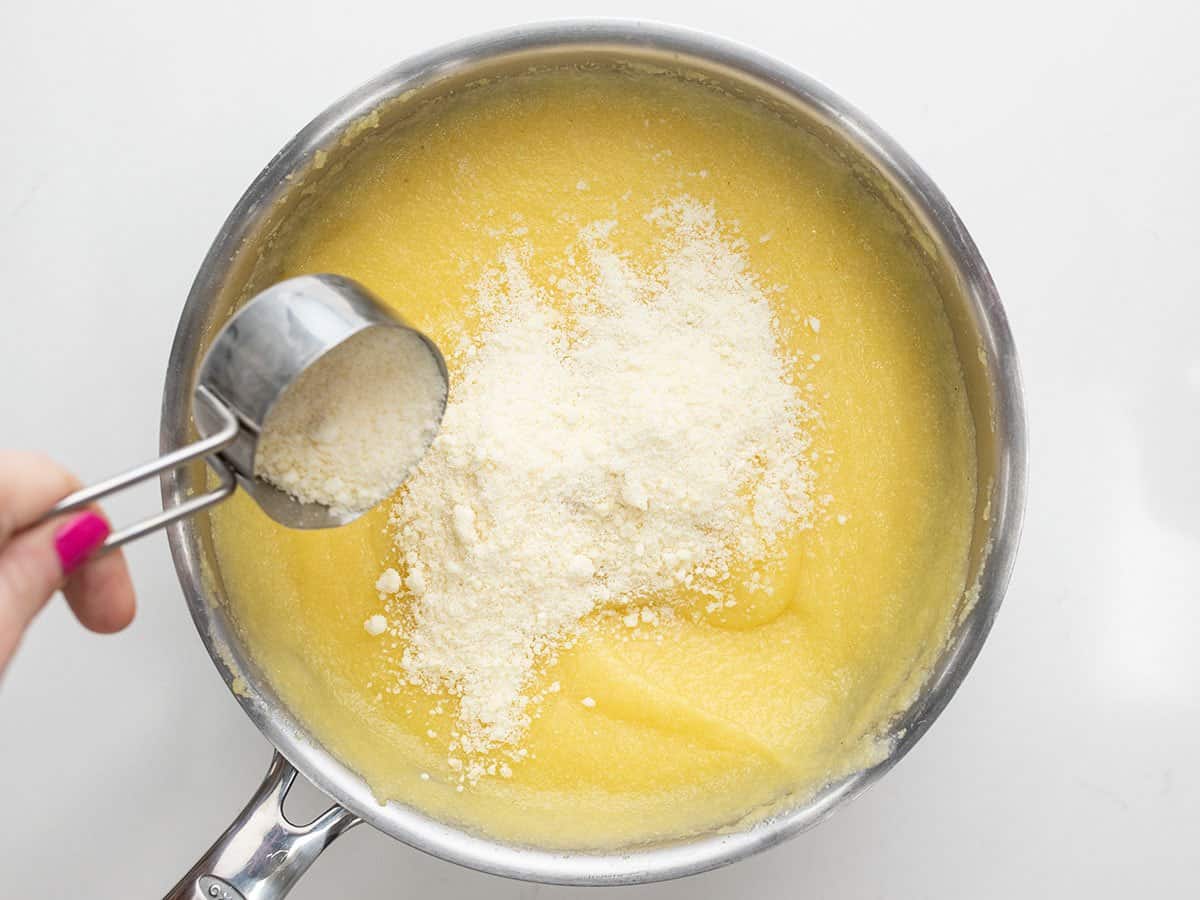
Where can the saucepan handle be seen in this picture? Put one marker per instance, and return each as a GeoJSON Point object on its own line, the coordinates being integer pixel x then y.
{"type": "Point", "coordinates": [262, 854]}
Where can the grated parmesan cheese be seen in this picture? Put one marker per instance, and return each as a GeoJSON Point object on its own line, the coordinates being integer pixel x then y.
{"type": "Point", "coordinates": [620, 432]}
{"type": "Point", "coordinates": [350, 429]}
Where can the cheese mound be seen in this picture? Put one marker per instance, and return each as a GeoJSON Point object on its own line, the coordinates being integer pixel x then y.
{"type": "Point", "coordinates": [614, 434]}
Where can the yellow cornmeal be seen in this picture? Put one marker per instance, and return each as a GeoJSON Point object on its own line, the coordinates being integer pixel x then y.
{"type": "Point", "coordinates": [731, 711]}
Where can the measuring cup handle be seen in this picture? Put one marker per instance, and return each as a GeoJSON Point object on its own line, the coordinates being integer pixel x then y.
{"type": "Point", "coordinates": [262, 854]}
{"type": "Point", "coordinates": [205, 447]}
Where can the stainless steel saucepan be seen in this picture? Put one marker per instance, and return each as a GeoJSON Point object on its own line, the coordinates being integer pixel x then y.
{"type": "Point", "coordinates": [263, 854]}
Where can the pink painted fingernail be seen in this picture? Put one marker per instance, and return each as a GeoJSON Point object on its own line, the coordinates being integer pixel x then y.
{"type": "Point", "coordinates": [76, 540]}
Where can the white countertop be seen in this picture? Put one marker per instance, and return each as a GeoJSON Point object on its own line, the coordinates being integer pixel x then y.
{"type": "Point", "coordinates": [1068, 137]}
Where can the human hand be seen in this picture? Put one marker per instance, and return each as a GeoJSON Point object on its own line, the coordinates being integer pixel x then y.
{"type": "Point", "coordinates": [36, 562]}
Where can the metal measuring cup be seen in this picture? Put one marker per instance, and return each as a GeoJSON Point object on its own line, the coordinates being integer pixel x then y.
{"type": "Point", "coordinates": [253, 360]}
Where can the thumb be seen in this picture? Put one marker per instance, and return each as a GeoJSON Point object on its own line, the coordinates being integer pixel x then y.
{"type": "Point", "coordinates": [33, 565]}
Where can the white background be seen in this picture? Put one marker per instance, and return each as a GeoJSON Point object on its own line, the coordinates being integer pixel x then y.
{"type": "Point", "coordinates": [1067, 136]}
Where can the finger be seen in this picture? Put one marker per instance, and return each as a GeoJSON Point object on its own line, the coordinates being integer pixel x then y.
{"type": "Point", "coordinates": [29, 485]}
{"type": "Point", "coordinates": [101, 593]}
{"type": "Point", "coordinates": [32, 567]}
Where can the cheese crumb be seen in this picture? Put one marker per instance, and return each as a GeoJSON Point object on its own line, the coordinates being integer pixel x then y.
{"type": "Point", "coordinates": [588, 702]}
{"type": "Point", "coordinates": [633, 493]}
{"type": "Point", "coordinates": [388, 582]}
{"type": "Point", "coordinates": [464, 524]}
{"type": "Point", "coordinates": [580, 567]}
{"type": "Point", "coordinates": [375, 625]}
{"type": "Point", "coordinates": [415, 582]}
